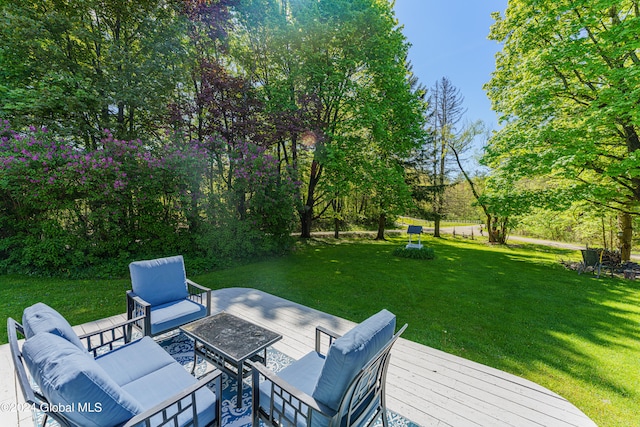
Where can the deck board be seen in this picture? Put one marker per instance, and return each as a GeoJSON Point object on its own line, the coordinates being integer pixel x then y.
{"type": "Point", "coordinates": [427, 386]}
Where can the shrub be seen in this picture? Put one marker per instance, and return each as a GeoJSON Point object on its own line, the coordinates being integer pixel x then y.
{"type": "Point", "coordinates": [77, 211]}
{"type": "Point", "coordinates": [415, 253]}
{"type": "Point", "coordinates": [65, 208]}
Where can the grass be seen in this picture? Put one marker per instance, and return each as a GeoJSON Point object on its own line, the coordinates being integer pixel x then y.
{"type": "Point", "coordinates": [514, 308]}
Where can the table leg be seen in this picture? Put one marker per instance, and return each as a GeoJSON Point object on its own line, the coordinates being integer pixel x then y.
{"type": "Point", "coordinates": [195, 356]}
{"type": "Point", "coordinates": [239, 379]}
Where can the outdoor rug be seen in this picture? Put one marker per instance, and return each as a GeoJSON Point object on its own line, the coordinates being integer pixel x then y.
{"type": "Point", "coordinates": [180, 347]}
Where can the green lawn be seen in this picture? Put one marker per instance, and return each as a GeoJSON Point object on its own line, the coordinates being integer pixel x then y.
{"type": "Point", "coordinates": [513, 308]}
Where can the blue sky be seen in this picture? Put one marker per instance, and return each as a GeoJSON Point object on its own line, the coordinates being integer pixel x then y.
{"type": "Point", "coordinates": [449, 38]}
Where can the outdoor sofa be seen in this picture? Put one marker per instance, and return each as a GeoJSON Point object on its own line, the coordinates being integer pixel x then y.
{"type": "Point", "coordinates": [105, 378]}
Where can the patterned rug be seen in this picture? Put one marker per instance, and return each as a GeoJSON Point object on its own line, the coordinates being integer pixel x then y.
{"type": "Point", "coordinates": [180, 347]}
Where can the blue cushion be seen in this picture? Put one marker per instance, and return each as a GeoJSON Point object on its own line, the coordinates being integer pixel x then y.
{"type": "Point", "coordinates": [73, 381]}
{"type": "Point", "coordinates": [42, 318]}
{"type": "Point", "coordinates": [159, 281]}
{"type": "Point", "coordinates": [350, 353]}
{"type": "Point", "coordinates": [164, 383]}
{"type": "Point", "coordinates": [169, 316]}
{"type": "Point", "coordinates": [134, 360]}
{"type": "Point", "coordinates": [302, 374]}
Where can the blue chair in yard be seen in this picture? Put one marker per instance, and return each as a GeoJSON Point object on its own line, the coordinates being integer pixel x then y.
{"type": "Point", "coordinates": [343, 388]}
{"type": "Point", "coordinates": [163, 296]}
{"type": "Point", "coordinates": [104, 378]}
{"type": "Point", "coordinates": [414, 230]}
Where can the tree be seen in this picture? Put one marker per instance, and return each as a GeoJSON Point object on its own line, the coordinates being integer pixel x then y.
{"type": "Point", "coordinates": [325, 65]}
{"type": "Point", "coordinates": [567, 90]}
{"type": "Point", "coordinates": [444, 113]}
{"type": "Point", "coordinates": [84, 66]}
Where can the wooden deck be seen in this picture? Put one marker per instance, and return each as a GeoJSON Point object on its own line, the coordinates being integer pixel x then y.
{"type": "Point", "coordinates": [427, 386]}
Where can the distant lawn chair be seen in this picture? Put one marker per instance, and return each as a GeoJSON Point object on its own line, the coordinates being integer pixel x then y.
{"type": "Point", "coordinates": [591, 258]}
{"type": "Point", "coordinates": [412, 231]}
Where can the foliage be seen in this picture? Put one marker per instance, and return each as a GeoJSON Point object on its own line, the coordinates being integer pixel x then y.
{"type": "Point", "coordinates": [268, 193]}
{"type": "Point", "coordinates": [414, 253]}
{"type": "Point", "coordinates": [85, 66]}
{"type": "Point", "coordinates": [66, 208]}
{"type": "Point", "coordinates": [335, 84]}
{"type": "Point", "coordinates": [431, 162]}
{"type": "Point", "coordinates": [567, 90]}
{"type": "Point", "coordinates": [320, 92]}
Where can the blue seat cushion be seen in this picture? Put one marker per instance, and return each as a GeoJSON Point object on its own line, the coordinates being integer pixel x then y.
{"type": "Point", "coordinates": [134, 361]}
{"type": "Point", "coordinates": [350, 353]}
{"type": "Point", "coordinates": [169, 316]}
{"type": "Point", "coordinates": [42, 318]}
{"type": "Point", "coordinates": [73, 381]}
{"type": "Point", "coordinates": [164, 383]}
{"type": "Point", "coordinates": [302, 374]}
{"type": "Point", "coordinates": [159, 281]}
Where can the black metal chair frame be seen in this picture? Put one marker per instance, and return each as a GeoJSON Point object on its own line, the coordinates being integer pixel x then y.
{"type": "Point", "coordinates": [138, 308]}
{"type": "Point", "coordinates": [364, 397]}
{"type": "Point", "coordinates": [101, 341]}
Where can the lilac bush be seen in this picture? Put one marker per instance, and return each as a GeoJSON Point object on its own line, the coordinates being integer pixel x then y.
{"type": "Point", "coordinates": [63, 208]}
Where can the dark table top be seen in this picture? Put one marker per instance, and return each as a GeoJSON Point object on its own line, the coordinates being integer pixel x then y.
{"type": "Point", "coordinates": [236, 338]}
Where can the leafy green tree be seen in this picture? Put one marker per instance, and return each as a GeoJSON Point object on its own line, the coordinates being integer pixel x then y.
{"type": "Point", "coordinates": [84, 66]}
{"type": "Point", "coordinates": [322, 68]}
{"type": "Point", "coordinates": [567, 89]}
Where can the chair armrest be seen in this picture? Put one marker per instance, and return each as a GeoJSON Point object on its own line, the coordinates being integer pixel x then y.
{"type": "Point", "coordinates": [322, 331]}
{"type": "Point", "coordinates": [136, 308]}
{"type": "Point", "coordinates": [196, 285]}
{"type": "Point", "coordinates": [181, 402]}
{"type": "Point", "coordinates": [193, 287]}
{"type": "Point", "coordinates": [298, 405]}
{"type": "Point", "coordinates": [108, 337]}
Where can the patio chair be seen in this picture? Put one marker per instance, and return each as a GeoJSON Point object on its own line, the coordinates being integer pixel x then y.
{"type": "Point", "coordinates": [344, 388]}
{"type": "Point", "coordinates": [104, 378]}
{"type": "Point", "coordinates": [591, 258]}
{"type": "Point", "coordinates": [163, 297]}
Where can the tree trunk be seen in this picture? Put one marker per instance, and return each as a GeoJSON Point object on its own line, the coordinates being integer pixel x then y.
{"type": "Point", "coordinates": [337, 208]}
{"type": "Point", "coordinates": [487, 227]}
{"type": "Point", "coordinates": [626, 227]}
{"type": "Point", "coordinates": [436, 226]}
{"type": "Point", "coordinates": [382, 221]}
{"type": "Point", "coordinates": [497, 229]}
{"type": "Point", "coordinates": [306, 216]}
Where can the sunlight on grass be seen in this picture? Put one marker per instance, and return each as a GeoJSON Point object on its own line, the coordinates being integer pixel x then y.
{"type": "Point", "coordinates": [514, 308]}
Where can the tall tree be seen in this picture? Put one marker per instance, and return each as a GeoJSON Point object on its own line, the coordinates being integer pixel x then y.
{"type": "Point", "coordinates": [444, 114]}
{"type": "Point", "coordinates": [325, 65]}
{"type": "Point", "coordinates": [567, 89]}
{"type": "Point", "coordinates": [80, 67]}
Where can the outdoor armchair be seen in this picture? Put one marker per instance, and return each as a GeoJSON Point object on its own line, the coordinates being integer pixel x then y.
{"type": "Point", "coordinates": [343, 388]}
{"type": "Point", "coordinates": [163, 297]}
{"type": "Point", "coordinates": [104, 378]}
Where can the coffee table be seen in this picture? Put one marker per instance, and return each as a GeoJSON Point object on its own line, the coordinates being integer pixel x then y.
{"type": "Point", "coordinates": [227, 342]}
